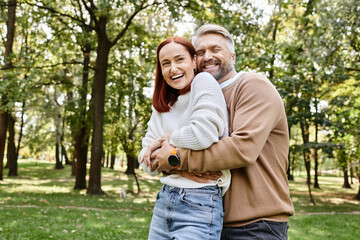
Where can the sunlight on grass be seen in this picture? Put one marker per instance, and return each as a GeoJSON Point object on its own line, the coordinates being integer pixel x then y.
{"type": "Point", "coordinates": [41, 204]}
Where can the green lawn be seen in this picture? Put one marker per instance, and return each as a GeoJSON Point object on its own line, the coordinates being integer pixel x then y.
{"type": "Point", "coordinates": [41, 204]}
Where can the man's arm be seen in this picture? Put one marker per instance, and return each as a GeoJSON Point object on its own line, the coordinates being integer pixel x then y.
{"type": "Point", "coordinates": [257, 108]}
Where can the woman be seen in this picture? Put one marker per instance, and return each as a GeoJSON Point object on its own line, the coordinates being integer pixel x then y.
{"type": "Point", "coordinates": [191, 112]}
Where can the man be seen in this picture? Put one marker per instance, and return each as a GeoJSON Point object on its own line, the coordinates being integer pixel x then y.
{"type": "Point", "coordinates": [257, 204]}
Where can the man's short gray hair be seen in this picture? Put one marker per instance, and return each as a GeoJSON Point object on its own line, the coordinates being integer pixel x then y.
{"type": "Point", "coordinates": [213, 28]}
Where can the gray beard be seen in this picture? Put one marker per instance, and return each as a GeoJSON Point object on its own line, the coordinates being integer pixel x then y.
{"type": "Point", "coordinates": [222, 72]}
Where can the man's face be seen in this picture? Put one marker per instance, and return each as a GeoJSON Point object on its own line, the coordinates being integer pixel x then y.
{"type": "Point", "coordinates": [213, 55]}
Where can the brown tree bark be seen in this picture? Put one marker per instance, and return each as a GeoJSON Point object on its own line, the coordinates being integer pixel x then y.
{"type": "Point", "coordinates": [357, 196]}
{"type": "Point", "coordinates": [21, 129]}
{"type": "Point", "coordinates": [98, 95]}
{"type": "Point", "coordinates": [305, 135]}
{"type": "Point", "coordinates": [11, 150]}
{"type": "Point", "coordinates": [10, 36]}
{"type": "Point", "coordinates": [112, 161]}
{"type": "Point", "coordinates": [316, 158]}
{"type": "Point", "coordinates": [130, 164]}
{"type": "Point", "coordinates": [82, 138]}
{"type": "Point", "coordinates": [346, 178]}
{"type": "Point", "coordinates": [81, 147]}
{"type": "Point", "coordinates": [3, 130]}
{"type": "Point", "coordinates": [64, 153]}
{"type": "Point", "coordinates": [58, 164]}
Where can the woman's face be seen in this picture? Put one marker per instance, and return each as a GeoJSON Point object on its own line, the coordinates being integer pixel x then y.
{"type": "Point", "coordinates": [177, 65]}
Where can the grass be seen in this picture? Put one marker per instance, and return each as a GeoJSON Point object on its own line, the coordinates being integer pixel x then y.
{"type": "Point", "coordinates": [41, 204]}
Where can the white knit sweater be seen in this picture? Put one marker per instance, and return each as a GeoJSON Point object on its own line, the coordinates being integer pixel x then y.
{"type": "Point", "coordinates": [197, 120]}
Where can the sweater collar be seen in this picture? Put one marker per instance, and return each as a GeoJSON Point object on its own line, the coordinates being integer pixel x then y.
{"type": "Point", "coordinates": [229, 81]}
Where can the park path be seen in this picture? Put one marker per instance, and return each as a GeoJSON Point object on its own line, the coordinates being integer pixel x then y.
{"type": "Point", "coordinates": [70, 207]}
{"type": "Point", "coordinates": [130, 209]}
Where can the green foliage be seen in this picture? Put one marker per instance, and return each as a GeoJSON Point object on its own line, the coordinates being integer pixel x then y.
{"type": "Point", "coordinates": [308, 49]}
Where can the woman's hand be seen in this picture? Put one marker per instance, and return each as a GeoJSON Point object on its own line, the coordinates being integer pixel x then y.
{"type": "Point", "coordinates": [152, 147]}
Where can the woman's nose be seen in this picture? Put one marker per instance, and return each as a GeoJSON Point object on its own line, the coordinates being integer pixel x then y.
{"type": "Point", "coordinates": [173, 68]}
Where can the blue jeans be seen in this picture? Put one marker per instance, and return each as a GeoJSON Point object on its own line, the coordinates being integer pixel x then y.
{"type": "Point", "coordinates": [266, 230]}
{"type": "Point", "coordinates": [187, 213]}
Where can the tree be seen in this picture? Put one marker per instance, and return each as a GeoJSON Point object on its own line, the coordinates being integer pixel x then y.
{"type": "Point", "coordinates": [11, 149]}
{"type": "Point", "coordinates": [8, 65]}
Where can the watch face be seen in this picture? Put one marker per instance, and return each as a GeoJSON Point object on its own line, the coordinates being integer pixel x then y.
{"type": "Point", "coordinates": [174, 160]}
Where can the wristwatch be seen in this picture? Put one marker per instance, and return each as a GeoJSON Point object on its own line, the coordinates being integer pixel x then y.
{"type": "Point", "coordinates": [174, 159]}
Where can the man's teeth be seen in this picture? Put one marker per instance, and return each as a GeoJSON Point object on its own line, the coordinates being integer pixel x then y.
{"type": "Point", "coordinates": [177, 76]}
{"type": "Point", "coordinates": [209, 66]}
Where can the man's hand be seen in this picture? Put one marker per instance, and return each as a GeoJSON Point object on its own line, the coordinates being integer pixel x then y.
{"type": "Point", "coordinates": [152, 147]}
{"type": "Point", "coordinates": [161, 157]}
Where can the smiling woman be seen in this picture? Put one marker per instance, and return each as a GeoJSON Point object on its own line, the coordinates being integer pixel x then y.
{"type": "Point", "coordinates": [177, 65]}
{"type": "Point", "coordinates": [190, 112]}
{"type": "Point", "coordinates": [164, 94]}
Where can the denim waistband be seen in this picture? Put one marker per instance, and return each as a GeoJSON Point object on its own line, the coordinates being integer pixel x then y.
{"type": "Point", "coordinates": [207, 189]}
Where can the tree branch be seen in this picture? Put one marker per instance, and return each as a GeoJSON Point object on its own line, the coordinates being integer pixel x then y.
{"type": "Point", "coordinates": [44, 66]}
{"type": "Point", "coordinates": [128, 23]}
{"type": "Point", "coordinates": [52, 10]}
{"type": "Point", "coordinates": [353, 69]}
{"type": "Point", "coordinates": [91, 11]}
{"type": "Point", "coordinates": [4, 4]}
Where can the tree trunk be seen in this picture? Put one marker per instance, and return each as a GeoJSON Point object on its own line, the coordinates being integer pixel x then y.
{"type": "Point", "coordinates": [82, 138]}
{"type": "Point", "coordinates": [73, 165]}
{"type": "Point", "coordinates": [107, 159]}
{"type": "Point", "coordinates": [21, 129]}
{"type": "Point", "coordinates": [81, 149]}
{"type": "Point", "coordinates": [10, 36]}
{"type": "Point", "coordinates": [130, 164]}
{"type": "Point", "coordinates": [58, 164]}
{"type": "Point", "coordinates": [64, 153]}
{"type": "Point", "coordinates": [351, 171]}
{"type": "Point", "coordinates": [98, 93]}
{"type": "Point", "coordinates": [357, 196]}
{"type": "Point", "coordinates": [112, 161]}
{"type": "Point", "coordinates": [288, 171]}
{"type": "Point", "coordinates": [63, 150]}
{"type": "Point", "coordinates": [131, 160]}
{"type": "Point", "coordinates": [346, 178]}
{"type": "Point", "coordinates": [305, 135]}
{"type": "Point", "coordinates": [11, 151]}
{"type": "Point", "coordinates": [316, 160]}
{"type": "Point", "coordinates": [276, 24]}
{"type": "Point", "coordinates": [3, 130]}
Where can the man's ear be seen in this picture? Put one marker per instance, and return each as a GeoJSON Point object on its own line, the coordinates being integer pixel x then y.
{"type": "Point", "coordinates": [233, 57]}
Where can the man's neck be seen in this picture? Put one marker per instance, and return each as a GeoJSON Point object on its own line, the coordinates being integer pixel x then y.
{"type": "Point", "coordinates": [228, 76]}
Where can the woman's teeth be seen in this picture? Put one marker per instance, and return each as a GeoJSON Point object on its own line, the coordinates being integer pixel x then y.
{"type": "Point", "coordinates": [177, 76]}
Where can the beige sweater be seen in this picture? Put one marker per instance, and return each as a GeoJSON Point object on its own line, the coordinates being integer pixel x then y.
{"type": "Point", "coordinates": [256, 151]}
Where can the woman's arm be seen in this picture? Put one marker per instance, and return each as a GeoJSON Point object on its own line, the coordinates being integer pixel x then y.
{"type": "Point", "coordinates": [152, 133]}
{"type": "Point", "coordinates": [208, 120]}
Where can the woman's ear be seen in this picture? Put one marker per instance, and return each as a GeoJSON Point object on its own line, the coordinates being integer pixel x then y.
{"type": "Point", "coordinates": [194, 62]}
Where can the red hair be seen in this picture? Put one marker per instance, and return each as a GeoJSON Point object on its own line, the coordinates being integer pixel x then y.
{"type": "Point", "coordinates": [165, 96]}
